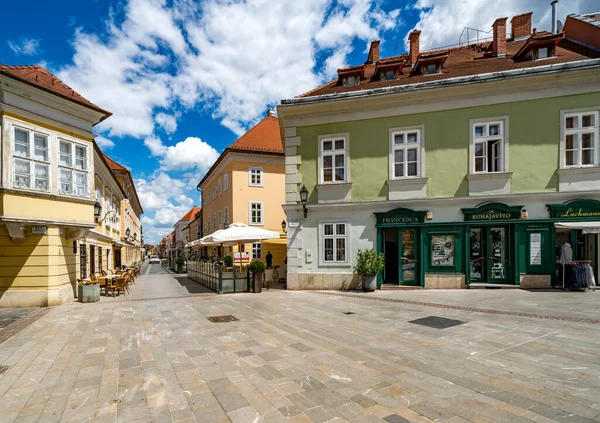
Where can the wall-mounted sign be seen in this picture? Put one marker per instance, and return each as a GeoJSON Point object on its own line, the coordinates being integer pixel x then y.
{"type": "Point", "coordinates": [535, 249]}
{"type": "Point", "coordinates": [241, 257]}
{"type": "Point", "coordinates": [39, 230]}
{"type": "Point", "coordinates": [292, 224]}
{"type": "Point", "coordinates": [492, 211]}
{"type": "Point", "coordinates": [575, 210]}
{"type": "Point", "coordinates": [400, 216]}
{"type": "Point", "coordinates": [442, 250]}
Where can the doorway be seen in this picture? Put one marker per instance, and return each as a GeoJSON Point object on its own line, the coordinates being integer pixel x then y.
{"type": "Point", "coordinates": [489, 254]}
{"type": "Point", "coordinates": [401, 256]}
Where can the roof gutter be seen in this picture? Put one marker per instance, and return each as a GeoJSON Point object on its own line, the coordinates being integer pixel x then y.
{"type": "Point", "coordinates": [462, 80]}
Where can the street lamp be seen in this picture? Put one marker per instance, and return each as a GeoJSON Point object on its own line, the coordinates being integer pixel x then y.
{"type": "Point", "coordinates": [283, 225]}
{"type": "Point", "coordinates": [226, 225]}
{"type": "Point", "coordinates": [97, 211]}
{"type": "Point", "coordinates": [304, 199]}
{"type": "Point", "coordinates": [127, 233]}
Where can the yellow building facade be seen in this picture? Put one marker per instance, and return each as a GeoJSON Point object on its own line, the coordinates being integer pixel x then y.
{"type": "Point", "coordinates": [47, 186]}
{"type": "Point", "coordinates": [247, 184]}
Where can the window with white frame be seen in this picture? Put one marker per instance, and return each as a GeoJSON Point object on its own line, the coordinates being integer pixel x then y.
{"type": "Point", "coordinates": [207, 224]}
{"type": "Point", "coordinates": [581, 139]}
{"type": "Point", "coordinates": [226, 214]}
{"type": "Point", "coordinates": [256, 213]}
{"type": "Point", "coordinates": [31, 160]}
{"type": "Point", "coordinates": [108, 207]}
{"type": "Point", "coordinates": [406, 153]}
{"type": "Point", "coordinates": [73, 168]}
{"type": "Point", "coordinates": [220, 187]}
{"type": "Point", "coordinates": [225, 181]}
{"type": "Point", "coordinates": [334, 242]}
{"type": "Point", "coordinates": [488, 147]}
{"type": "Point", "coordinates": [257, 250]}
{"type": "Point", "coordinates": [214, 222]}
{"type": "Point", "coordinates": [214, 192]}
{"type": "Point", "coordinates": [220, 219]}
{"type": "Point", "coordinates": [255, 176]}
{"type": "Point", "coordinates": [333, 160]}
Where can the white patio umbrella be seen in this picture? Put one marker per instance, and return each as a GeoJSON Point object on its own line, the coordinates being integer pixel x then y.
{"type": "Point", "coordinates": [240, 233]}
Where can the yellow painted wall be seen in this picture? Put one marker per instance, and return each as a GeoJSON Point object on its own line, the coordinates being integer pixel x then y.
{"type": "Point", "coordinates": [16, 205]}
{"type": "Point", "coordinates": [221, 201]}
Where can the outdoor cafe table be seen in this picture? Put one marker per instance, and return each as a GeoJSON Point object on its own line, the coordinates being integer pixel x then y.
{"type": "Point", "coordinates": [109, 279]}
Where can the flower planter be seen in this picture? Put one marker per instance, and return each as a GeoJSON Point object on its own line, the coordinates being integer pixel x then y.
{"type": "Point", "coordinates": [369, 283]}
{"type": "Point", "coordinates": [257, 279]}
{"type": "Point", "coordinates": [88, 293]}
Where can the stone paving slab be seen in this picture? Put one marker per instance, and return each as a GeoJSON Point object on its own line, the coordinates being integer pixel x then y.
{"type": "Point", "coordinates": [296, 357]}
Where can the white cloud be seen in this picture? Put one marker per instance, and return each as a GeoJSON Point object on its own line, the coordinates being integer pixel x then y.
{"type": "Point", "coordinates": [188, 154]}
{"type": "Point", "coordinates": [232, 58]}
{"type": "Point", "coordinates": [155, 145]}
{"type": "Point", "coordinates": [25, 46]}
{"type": "Point", "coordinates": [104, 143]}
{"type": "Point", "coordinates": [166, 122]}
{"type": "Point", "coordinates": [442, 21]}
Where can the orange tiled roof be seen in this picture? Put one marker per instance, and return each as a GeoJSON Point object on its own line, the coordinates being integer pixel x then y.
{"type": "Point", "coordinates": [462, 61]}
{"type": "Point", "coordinates": [264, 136]}
{"type": "Point", "coordinates": [114, 165]}
{"type": "Point", "coordinates": [191, 214]}
{"type": "Point", "coordinates": [41, 78]}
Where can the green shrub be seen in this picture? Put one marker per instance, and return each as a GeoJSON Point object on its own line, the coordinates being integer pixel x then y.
{"type": "Point", "coordinates": [228, 260]}
{"type": "Point", "coordinates": [369, 262]}
{"type": "Point", "coordinates": [179, 260]}
{"type": "Point", "coordinates": [257, 267]}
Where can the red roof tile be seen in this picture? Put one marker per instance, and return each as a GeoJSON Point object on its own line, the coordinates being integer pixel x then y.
{"type": "Point", "coordinates": [264, 136]}
{"type": "Point", "coordinates": [41, 78]}
{"type": "Point", "coordinates": [191, 215]}
{"type": "Point", "coordinates": [469, 60]}
{"type": "Point", "coordinates": [114, 165]}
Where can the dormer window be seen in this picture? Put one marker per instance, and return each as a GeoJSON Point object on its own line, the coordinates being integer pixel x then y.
{"type": "Point", "coordinates": [388, 75]}
{"type": "Point", "coordinates": [538, 47]}
{"type": "Point", "coordinates": [351, 80]}
{"type": "Point", "coordinates": [430, 64]}
{"type": "Point", "coordinates": [388, 69]}
{"type": "Point", "coordinates": [350, 77]}
{"type": "Point", "coordinates": [431, 69]}
{"type": "Point", "coordinates": [542, 53]}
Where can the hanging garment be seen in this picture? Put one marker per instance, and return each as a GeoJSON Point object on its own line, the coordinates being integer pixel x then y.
{"type": "Point", "coordinates": [590, 276]}
{"type": "Point", "coordinates": [566, 253]}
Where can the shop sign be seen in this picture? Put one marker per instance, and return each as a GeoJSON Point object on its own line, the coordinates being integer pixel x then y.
{"type": "Point", "coordinates": [575, 210]}
{"type": "Point", "coordinates": [492, 211]}
{"type": "Point", "coordinates": [400, 216]}
{"type": "Point", "coordinates": [292, 224]}
{"type": "Point", "coordinates": [39, 230]}
{"type": "Point", "coordinates": [241, 257]}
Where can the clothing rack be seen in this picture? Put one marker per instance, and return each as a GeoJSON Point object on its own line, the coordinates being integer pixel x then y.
{"type": "Point", "coordinates": [575, 262]}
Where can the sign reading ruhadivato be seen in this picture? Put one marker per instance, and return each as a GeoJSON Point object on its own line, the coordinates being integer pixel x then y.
{"type": "Point", "coordinates": [400, 216]}
{"type": "Point", "coordinates": [492, 211]}
{"type": "Point", "coordinates": [575, 210]}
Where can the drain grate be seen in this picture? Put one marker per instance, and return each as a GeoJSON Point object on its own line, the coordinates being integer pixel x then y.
{"type": "Point", "coordinates": [437, 322]}
{"type": "Point", "coordinates": [3, 369]}
{"type": "Point", "coordinates": [223, 319]}
{"type": "Point", "coordinates": [349, 313]}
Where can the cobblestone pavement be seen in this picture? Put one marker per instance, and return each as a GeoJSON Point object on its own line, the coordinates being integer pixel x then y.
{"type": "Point", "coordinates": [298, 357]}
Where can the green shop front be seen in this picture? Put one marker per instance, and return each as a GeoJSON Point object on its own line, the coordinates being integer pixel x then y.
{"type": "Point", "coordinates": [494, 245]}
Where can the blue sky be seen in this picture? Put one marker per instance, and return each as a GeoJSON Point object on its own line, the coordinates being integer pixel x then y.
{"type": "Point", "coordinates": [185, 78]}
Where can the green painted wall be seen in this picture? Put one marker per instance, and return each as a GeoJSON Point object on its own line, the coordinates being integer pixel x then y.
{"type": "Point", "coordinates": [534, 139]}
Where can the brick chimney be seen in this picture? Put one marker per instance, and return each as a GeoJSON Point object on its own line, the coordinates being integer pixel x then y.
{"type": "Point", "coordinates": [521, 25]}
{"type": "Point", "coordinates": [499, 43]}
{"type": "Point", "coordinates": [373, 52]}
{"type": "Point", "coordinates": [413, 38]}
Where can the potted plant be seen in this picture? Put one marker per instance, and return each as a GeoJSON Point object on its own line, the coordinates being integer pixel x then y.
{"type": "Point", "coordinates": [369, 264]}
{"type": "Point", "coordinates": [228, 261]}
{"type": "Point", "coordinates": [258, 269]}
{"type": "Point", "coordinates": [179, 262]}
{"type": "Point", "coordinates": [88, 291]}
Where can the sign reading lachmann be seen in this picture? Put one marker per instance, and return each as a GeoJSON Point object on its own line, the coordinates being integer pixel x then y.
{"type": "Point", "coordinates": [571, 213]}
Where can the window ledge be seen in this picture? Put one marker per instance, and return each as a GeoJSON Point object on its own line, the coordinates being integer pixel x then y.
{"type": "Point", "coordinates": [489, 175]}
{"type": "Point", "coordinates": [578, 170]}
{"type": "Point", "coordinates": [408, 181]}
{"type": "Point", "coordinates": [338, 185]}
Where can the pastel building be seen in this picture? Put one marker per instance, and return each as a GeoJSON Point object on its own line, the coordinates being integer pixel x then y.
{"type": "Point", "coordinates": [467, 166]}
{"type": "Point", "coordinates": [247, 184]}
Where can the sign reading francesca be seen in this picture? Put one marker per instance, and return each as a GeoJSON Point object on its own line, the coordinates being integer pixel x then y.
{"type": "Point", "coordinates": [400, 217]}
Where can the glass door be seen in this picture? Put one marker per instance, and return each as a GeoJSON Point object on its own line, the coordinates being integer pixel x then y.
{"type": "Point", "coordinates": [477, 255]}
{"type": "Point", "coordinates": [407, 238]}
{"type": "Point", "coordinates": [497, 255]}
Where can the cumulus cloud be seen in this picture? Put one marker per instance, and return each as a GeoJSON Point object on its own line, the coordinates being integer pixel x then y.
{"type": "Point", "coordinates": [104, 143]}
{"type": "Point", "coordinates": [230, 58]}
{"type": "Point", "coordinates": [155, 145]}
{"type": "Point", "coordinates": [442, 21]}
{"type": "Point", "coordinates": [24, 46]}
{"type": "Point", "coordinates": [188, 154]}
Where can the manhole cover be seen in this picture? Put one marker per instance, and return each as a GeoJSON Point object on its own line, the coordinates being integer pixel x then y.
{"type": "Point", "coordinates": [3, 369]}
{"type": "Point", "coordinates": [348, 313]}
{"type": "Point", "coordinates": [437, 322]}
{"type": "Point", "coordinates": [222, 319]}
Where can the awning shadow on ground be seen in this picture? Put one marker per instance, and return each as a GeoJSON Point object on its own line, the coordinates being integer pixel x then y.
{"type": "Point", "coordinates": [193, 287]}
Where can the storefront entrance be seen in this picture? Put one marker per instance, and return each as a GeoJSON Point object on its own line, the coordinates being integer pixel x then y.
{"type": "Point", "coordinates": [401, 256]}
{"type": "Point", "coordinates": [489, 252]}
